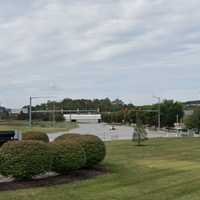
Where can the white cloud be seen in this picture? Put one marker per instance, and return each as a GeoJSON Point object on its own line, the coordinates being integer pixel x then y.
{"type": "Point", "coordinates": [99, 48]}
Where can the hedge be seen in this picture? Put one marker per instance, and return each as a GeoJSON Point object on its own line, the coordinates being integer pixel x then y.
{"type": "Point", "coordinates": [68, 155]}
{"type": "Point", "coordinates": [24, 159]}
{"type": "Point", "coordinates": [68, 136]}
{"type": "Point", "coordinates": [93, 146]}
{"type": "Point", "coordinates": [27, 158]}
{"type": "Point", "coordinates": [36, 136]}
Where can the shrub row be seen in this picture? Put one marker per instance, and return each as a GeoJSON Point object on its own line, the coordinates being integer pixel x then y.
{"type": "Point", "coordinates": [27, 158]}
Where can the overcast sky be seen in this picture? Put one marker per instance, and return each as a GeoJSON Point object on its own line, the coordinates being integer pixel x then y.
{"type": "Point", "coordinates": [127, 49]}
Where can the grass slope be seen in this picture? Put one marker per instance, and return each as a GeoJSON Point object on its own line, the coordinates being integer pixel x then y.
{"type": "Point", "coordinates": [37, 126]}
{"type": "Point", "coordinates": [163, 169]}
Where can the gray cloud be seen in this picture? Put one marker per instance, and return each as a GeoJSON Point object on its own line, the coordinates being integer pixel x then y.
{"type": "Point", "coordinates": [96, 48]}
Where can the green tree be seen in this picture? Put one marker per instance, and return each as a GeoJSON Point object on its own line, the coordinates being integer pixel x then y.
{"type": "Point", "coordinates": [193, 121]}
{"type": "Point", "coordinates": [139, 133]}
{"type": "Point", "coordinates": [169, 112]}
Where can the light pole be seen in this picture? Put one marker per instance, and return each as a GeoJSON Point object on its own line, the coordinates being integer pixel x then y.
{"type": "Point", "coordinates": [30, 113]}
{"type": "Point", "coordinates": [159, 101]}
{"type": "Point", "coordinates": [30, 107]}
{"type": "Point", "coordinates": [54, 113]}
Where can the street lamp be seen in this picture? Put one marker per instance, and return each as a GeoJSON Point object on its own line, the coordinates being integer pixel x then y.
{"type": "Point", "coordinates": [159, 101]}
{"type": "Point", "coordinates": [30, 106]}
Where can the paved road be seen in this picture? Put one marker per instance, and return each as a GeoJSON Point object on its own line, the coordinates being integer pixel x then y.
{"type": "Point", "coordinates": [103, 131]}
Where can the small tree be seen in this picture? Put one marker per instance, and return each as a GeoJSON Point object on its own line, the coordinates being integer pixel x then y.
{"type": "Point", "coordinates": [139, 133]}
{"type": "Point", "coordinates": [193, 121]}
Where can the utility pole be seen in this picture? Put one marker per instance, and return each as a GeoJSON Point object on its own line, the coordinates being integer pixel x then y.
{"type": "Point", "coordinates": [136, 120]}
{"type": "Point", "coordinates": [177, 119]}
{"type": "Point", "coordinates": [30, 113]}
{"type": "Point", "coordinates": [30, 107]}
{"type": "Point", "coordinates": [54, 113]}
{"type": "Point", "coordinates": [159, 111]}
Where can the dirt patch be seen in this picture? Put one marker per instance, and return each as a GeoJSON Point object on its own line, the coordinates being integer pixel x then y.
{"type": "Point", "coordinates": [75, 176]}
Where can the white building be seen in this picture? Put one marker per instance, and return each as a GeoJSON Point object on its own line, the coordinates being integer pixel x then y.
{"type": "Point", "coordinates": [18, 111]}
{"type": "Point", "coordinates": [91, 118]}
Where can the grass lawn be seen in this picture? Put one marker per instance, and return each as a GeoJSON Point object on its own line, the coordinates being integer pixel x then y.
{"type": "Point", "coordinates": [164, 169]}
{"type": "Point", "coordinates": [47, 127]}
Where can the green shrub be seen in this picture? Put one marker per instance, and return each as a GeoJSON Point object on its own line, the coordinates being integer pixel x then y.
{"type": "Point", "coordinates": [94, 148]}
{"type": "Point", "coordinates": [36, 136]}
{"type": "Point", "coordinates": [68, 155]}
{"type": "Point", "coordinates": [68, 136]}
{"type": "Point", "coordinates": [24, 159]}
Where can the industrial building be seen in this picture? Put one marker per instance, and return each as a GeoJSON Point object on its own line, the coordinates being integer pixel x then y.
{"type": "Point", "coordinates": [84, 118]}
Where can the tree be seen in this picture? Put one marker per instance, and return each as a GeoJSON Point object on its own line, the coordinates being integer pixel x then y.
{"type": "Point", "coordinates": [193, 121]}
{"type": "Point", "coordinates": [139, 133]}
{"type": "Point", "coordinates": [169, 112]}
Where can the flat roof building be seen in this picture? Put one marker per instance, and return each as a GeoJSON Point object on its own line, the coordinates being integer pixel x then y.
{"type": "Point", "coordinates": [91, 118]}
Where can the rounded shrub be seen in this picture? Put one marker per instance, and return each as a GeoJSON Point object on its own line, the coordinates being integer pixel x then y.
{"type": "Point", "coordinates": [24, 159]}
{"type": "Point", "coordinates": [93, 146]}
{"type": "Point", "coordinates": [68, 155]}
{"type": "Point", "coordinates": [36, 136]}
{"type": "Point", "coordinates": [68, 136]}
{"type": "Point", "coordinates": [95, 149]}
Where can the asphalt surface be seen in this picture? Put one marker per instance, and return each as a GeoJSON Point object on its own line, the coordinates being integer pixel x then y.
{"type": "Point", "coordinates": [105, 133]}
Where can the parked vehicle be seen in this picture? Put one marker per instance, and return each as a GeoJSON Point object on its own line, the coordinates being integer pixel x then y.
{"type": "Point", "coordinates": [112, 128]}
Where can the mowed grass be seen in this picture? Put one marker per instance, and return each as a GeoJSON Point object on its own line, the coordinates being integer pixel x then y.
{"type": "Point", "coordinates": [163, 169]}
{"type": "Point", "coordinates": [48, 127]}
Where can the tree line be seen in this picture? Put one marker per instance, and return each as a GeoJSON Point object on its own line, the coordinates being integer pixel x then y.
{"type": "Point", "coordinates": [169, 112]}
{"type": "Point", "coordinates": [114, 111]}
{"type": "Point", "coordinates": [100, 105]}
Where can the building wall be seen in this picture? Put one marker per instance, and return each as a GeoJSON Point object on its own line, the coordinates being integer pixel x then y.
{"type": "Point", "coordinates": [92, 118]}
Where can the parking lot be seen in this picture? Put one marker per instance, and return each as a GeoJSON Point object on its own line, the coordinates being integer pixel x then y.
{"type": "Point", "coordinates": [105, 133]}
